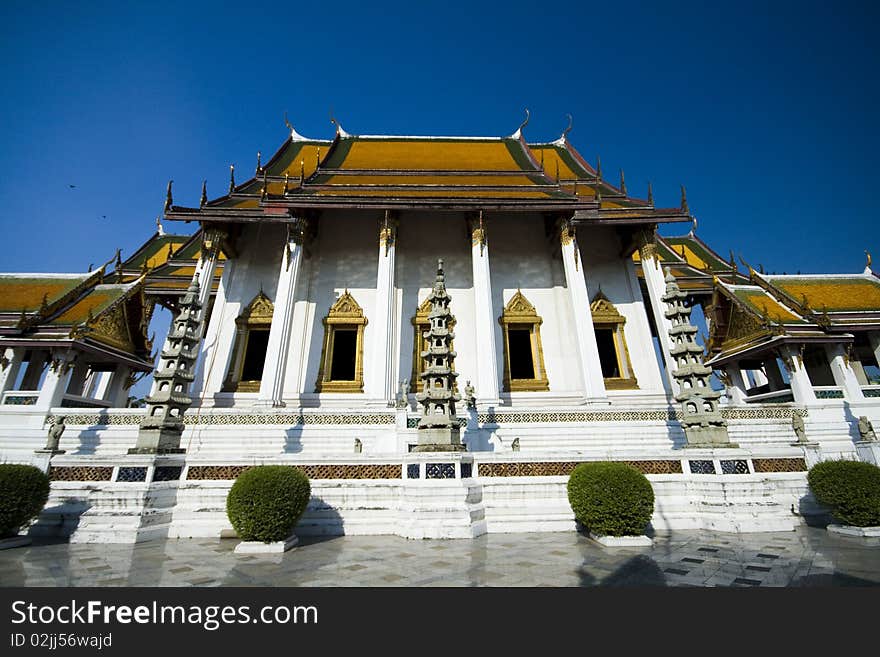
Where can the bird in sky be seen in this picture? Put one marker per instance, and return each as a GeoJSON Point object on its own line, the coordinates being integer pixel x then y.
{"type": "Point", "coordinates": [71, 186]}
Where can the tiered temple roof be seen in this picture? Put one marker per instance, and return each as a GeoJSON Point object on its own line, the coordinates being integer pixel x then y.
{"type": "Point", "coordinates": [97, 311]}
{"type": "Point", "coordinates": [449, 173]}
{"type": "Point", "coordinates": [778, 308]}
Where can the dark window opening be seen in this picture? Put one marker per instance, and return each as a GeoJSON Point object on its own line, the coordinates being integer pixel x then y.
{"type": "Point", "coordinates": [343, 356]}
{"type": "Point", "coordinates": [817, 366]}
{"type": "Point", "coordinates": [255, 355]}
{"type": "Point", "coordinates": [607, 353]}
{"type": "Point", "coordinates": [520, 345]}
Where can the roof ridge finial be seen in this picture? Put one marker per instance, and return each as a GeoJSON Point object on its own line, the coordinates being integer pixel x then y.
{"type": "Point", "coordinates": [259, 166]}
{"type": "Point", "coordinates": [204, 199]}
{"type": "Point", "coordinates": [231, 178]}
{"type": "Point", "coordinates": [598, 168]}
{"type": "Point", "coordinates": [746, 265]}
{"type": "Point", "coordinates": [869, 260]}
{"type": "Point", "coordinates": [342, 134]}
{"type": "Point", "coordinates": [294, 135]}
{"type": "Point", "coordinates": [650, 193]}
{"type": "Point", "coordinates": [684, 201]}
{"type": "Point", "coordinates": [564, 136]}
{"type": "Point", "coordinates": [169, 200]}
{"type": "Point", "coordinates": [159, 229]}
{"type": "Point", "coordinates": [693, 230]}
{"type": "Point", "coordinates": [622, 183]}
{"type": "Point", "coordinates": [518, 133]}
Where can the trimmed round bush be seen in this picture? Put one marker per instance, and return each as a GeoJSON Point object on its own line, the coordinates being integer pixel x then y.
{"type": "Point", "coordinates": [24, 490]}
{"type": "Point", "coordinates": [611, 499]}
{"type": "Point", "coordinates": [850, 488]}
{"type": "Point", "coordinates": [266, 501]}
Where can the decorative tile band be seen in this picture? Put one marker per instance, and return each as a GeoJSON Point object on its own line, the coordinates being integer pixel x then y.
{"type": "Point", "coordinates": [412, 471]}
{"type": "Point", "coordinates": [439, 471]}
{"type": "Point", "coordinates": [738, 466]}
{"type": "Point", "coordinates": [323, 471]}
{"type": "Point", "coordinates": [492, 418]}
{"type": "Point", "coordinates": [131, 474]}
{"type": "Point", "coordinates": [285, 419]}
{"type": "Point", "coordinates": [167, 473]}
{"type": "Point", "coordinates": [564, 468]}
{"type": "Point", "coordinates": [19, 400]}
{"type": "Point", "coordinates": [81, 473]}
{"type": "Point", "coordinates": [702, 467]}
{"type": "Point", "coordinates": [829, 394]}
{"type": "Point", "coordinates": [779, 465]}
{"type": "Point", "coordinates": [467, 470]}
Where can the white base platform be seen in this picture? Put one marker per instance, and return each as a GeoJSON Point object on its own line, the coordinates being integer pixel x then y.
{"type": "Point", "coordinates": [623, 541]}
{"type": "Point", "coordinates": [849, 530]}
{"type": "Point", "coordinates": [258, 547]}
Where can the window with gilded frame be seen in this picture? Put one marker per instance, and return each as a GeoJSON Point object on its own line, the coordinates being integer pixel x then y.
{"type": "Point", "coordinates": [342, 355]}
{"type": "Point", "coordinates": [250, 346]}
{"type": "Point", "coordinates": [614, 359]}
{"type": "Point", "coordinates": [523, 353]}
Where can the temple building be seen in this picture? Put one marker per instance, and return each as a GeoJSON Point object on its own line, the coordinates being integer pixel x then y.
{"type": "Point", "coordinates": [312, 327]}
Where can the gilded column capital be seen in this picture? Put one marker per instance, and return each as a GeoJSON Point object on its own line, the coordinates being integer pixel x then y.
{"type": "Point", "coordinates": [646, 241]}
{"type": "Point", "coordinates": [479, 231]}
{"type": "Point", "coordinates": [388, 230]}
{"type": "Point", "coordinates": [211, 241]}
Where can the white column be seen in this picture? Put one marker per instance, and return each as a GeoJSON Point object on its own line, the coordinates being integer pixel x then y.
{"type": "Point", "coordinates": [117, 393]}
{"type": "Point", "coordinates": [656, 284]}
{"type": "Point", "coordinates": [206, 267]}
{"type": "Point", "coordinates": [34, 370]}
{"type": "Point", "coordinates": [588, 349]}
{"type": "Point", "coordinates": [760, 378]}
{"type": "Point", "coordinates": [736, 387]}
{"type": "Point", "coordinates": [55, 382]}
{"type": "Point", "coordinates": [9, 373]}
{"type": "Point", "coordinates": [875, 345]}
{"type": "Point", "coordinates": [382, 375]}
{"type": "Point", "coordinates": [844, 376]}
{"type": "Point", "coordinates": [484, 318]}
{"type": "Point", "coordinates": [209, 346]}
{"type": "Point", "coordinates": [801, 386]}
{"type": "Point", "coordinates": [272, 381]}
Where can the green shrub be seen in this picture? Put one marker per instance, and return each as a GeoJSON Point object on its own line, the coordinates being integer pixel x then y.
{"type": "Point", "coordinates": [611, 499]}
{"type": "Point", "coordinates": [24, 490]}
{"type": "Point", "coordinates": [850, 488]}
{"type": "Point", "coordinates": [265, 502]}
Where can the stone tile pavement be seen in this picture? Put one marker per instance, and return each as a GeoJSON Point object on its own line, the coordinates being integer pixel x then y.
{"type": "Point", "coordinates": [808, 556]}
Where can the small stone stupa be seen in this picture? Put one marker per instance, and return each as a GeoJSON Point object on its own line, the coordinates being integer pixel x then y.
{"type": "Point", "coordinates": [161, 428]}
{"type": "Point", "coordinates": [438, 424]}
{"type": "Point", "coordinates": [702, 421]}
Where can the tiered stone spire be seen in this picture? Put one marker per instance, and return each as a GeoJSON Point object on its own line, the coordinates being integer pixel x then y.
{"type": "Point", "coordinates": [160, 430]}
{"type": "Point", "coordinates": [438, 424]}
{"type": "Point", "coordinates": [702, 422]}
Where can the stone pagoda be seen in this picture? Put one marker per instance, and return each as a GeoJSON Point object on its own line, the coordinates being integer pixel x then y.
{"type": "Point", "coordinates": [161, 428]}
{"type": "Point", "coordinates": [438, 424]}
{"type": "Point", "coordinates": [702, 421]}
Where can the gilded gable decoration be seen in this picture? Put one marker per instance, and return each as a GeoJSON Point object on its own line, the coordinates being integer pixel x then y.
{"type": "Point", "coordinates": [607, 318]}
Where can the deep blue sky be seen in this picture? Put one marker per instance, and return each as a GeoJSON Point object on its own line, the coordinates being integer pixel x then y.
{"type": "Point", "coordinates": [768, 115]}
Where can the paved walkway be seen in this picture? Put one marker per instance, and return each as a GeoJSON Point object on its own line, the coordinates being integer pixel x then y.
{"type": "Point", "coordinates": [806, 557]}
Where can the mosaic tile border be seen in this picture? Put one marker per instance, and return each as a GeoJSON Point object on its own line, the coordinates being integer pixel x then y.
{"type": "Point", "coordinates": [317, 471]}
{"type": "Point", "coordinates": [779, 465]}
{"type": "Point", "coordinates": [490, 418]}
{"type": "Point", "coordinates": [81, 473]}
{"type": "Point", "coordinates": [285, 419]}
{"type": "Point", "coordinates": [564, 468]}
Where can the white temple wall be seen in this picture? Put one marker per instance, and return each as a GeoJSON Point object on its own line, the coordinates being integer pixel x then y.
{"type": "Point", "coordinates": [422, 238]}
{"type": "Point", "coordinates": [344, 256]}
{"type": "Point", "coordinates": [520, 258]}
{"type": "Point", "coordinates": [255, 269]}
{"type": "Point", "coordinates": [604, 268]}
